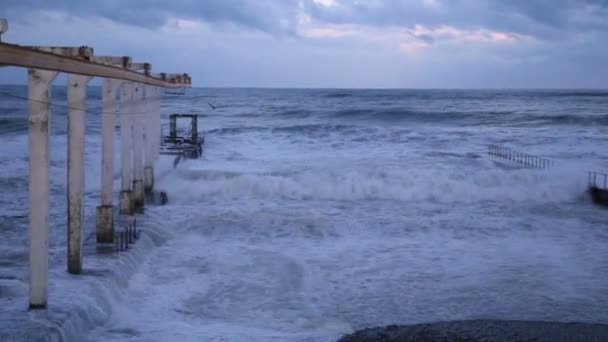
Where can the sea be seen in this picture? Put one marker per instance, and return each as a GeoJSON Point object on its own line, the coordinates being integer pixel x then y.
{"type": "Point", "coordinates": [316, 212]}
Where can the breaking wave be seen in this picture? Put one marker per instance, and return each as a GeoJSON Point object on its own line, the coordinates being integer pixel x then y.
{"type": "Point", "coordinates": [439, 186]}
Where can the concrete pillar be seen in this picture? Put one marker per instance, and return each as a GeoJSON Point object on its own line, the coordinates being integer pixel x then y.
{"type": "Point", "coordinates": [39, 119]}
{"type": "Point", "coordinates": [138, 148]}
{"type": "Point", "coordinates": [148, 179]}
{"type": "Point", "coordinates": [148, 172]}
{"type": "Point", "coordinates": [77, 92]}
{"type": "Point", "coordinates": [105, 212]}
{"type": "Point", "coordinates": [149, 141]}
{"type": "Point", "coordinates": [157, 133]}
{"type": "Point", "coordinates": [126, 157]}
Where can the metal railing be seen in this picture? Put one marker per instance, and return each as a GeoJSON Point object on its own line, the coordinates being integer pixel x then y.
{"type": "Point", "coordinates": [128, 236]}
{"type": "Point", "coordinates": [519, 157]}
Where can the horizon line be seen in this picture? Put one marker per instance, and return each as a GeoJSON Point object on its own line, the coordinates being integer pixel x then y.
{"type": "Point", "coordinates": [354, 88]}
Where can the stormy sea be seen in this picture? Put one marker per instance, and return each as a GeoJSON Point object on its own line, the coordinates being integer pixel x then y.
{"type": "Point", "coordinates": [314, 213]}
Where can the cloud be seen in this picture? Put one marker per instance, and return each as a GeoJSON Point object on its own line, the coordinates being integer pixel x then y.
{"type": "Point", "coordinates": [277, 17]}
{"type": "Point", "coordinates": [546, 19]}
{"type": "Point", "coordinates": [336, 43]}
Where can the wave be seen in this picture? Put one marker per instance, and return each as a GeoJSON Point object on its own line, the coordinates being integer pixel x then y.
{"type": "Point", "coordinates": [296, 113]}
{"type": "Point", "coordinates": [338, 95]}
{"type": "Point", "coordinates": [98, 292]}
{"type": "Point", "coordinates": [412, 115]}
{"type": "Point", "coordinates": [12, 125]}
{"type": "Point", "coordinates": [312, 128]}
{"type": "Point", "coordinates": [568, 119]}
{"type": "Point", "coordinates": [490, 117]}
{"type": "Point", "coordinates": [437, 186]}
{"type": "Point", "coordinates": [304, 128]}
{"type": "Point", "coordinates": [236, 130]}
{"type": "Point", "coordinates": [581, 93]}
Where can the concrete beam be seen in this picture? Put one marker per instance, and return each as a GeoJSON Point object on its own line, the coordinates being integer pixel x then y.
{"type": "Point", "coordinates": [145, 67]}
{"type": "Point", "coordinates": [39, 58]}
{"type": "Point", "coordinates": [123, 61]}
{"type": "Point", "coordinates": [81, 52]}
{"type": "Point", "coordinates": [183, 79]}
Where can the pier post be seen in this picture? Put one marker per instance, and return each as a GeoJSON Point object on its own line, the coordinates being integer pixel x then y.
{"type": "Point", "coordinates": [138, 172]}
{"type": "Point", "coordinates": [157, 128]}
{"type": "Point", "coordinates": [148, 179]}
{"type": "Point", "coordinates": [126, 158]}
{"type": "Point", "coordinates": [150, 139]}
{"type": "Point", "coordinates": [77, 90]}
{"type": "Point", "coordinates": [44, 63]}
{"type": "Point", "coordinates": [39, 119]}
{"type": "Point", "coordinates": [105, 212]}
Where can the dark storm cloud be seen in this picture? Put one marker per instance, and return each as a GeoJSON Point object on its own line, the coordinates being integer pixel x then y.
{"type": "Point", "coordinates": [266, 15]}
{"type": "Point", "coordinates": [539, 18]}
{"type": "Point", "coordinates": [456, 45]}
{"type": "Point", "coordinates": [549, 19]}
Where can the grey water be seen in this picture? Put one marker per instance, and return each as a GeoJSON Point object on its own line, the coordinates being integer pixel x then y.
{"type": "Point", "coordinates": [315, 212]}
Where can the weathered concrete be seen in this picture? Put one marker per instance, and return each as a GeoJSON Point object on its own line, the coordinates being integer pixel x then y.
{"type": "Point", "coordinates": [156, 119]}
{"type": "Point", "coordinates": [138, 148]}
{"type": "Point", "coordinates": [484, 330]}
{"type": "Point", "coordinates": [151, 138]}
{"type": "Point", "coordinates": [138, 195]}
{"type": "Point", "coordinates": [39, 123]}
{"type": "Point", "coordinates": [77, 91]}
{"type": "Point", "coordinates": [44, 64]}
{"type": "Point", "coordinates": [105, 219]}
{"type": "Point", "coordinates": [126, 203]}
{"type": "Point", "coordinates": [126, 150]}
{"type": "Point", "coordinates": [105, 223]}
{"type": "Point", "coordinates": [148, 179]}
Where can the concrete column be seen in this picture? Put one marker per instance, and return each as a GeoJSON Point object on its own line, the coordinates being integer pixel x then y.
{"type": "Point", "coordinates": [150, 139]}
{"type": "Point", "coordinates": [157, 132]}
{"type": "Point", "coordinates": [77, 92]}
{"type": "Point", "coordinates": [138, 148]}
{"type": "Point", "coordinates": [148, 179]}
{"type": "Point", "coordinates": [126, 157]}
{"type": "Point", "coordinates": [39, 119]}
{"type": "Point", "coordinates": [105, 212]}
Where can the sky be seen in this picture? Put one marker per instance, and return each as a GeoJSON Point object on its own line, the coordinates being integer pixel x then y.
{"type": "Point", "coordinates": [333, 43]}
